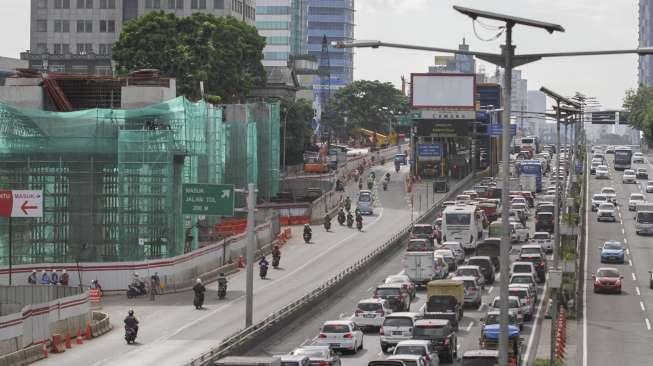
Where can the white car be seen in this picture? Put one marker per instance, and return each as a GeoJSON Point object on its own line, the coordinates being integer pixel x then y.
{"type": "Point", "coordinates": [629, 176]}
{"type": "Point", "coordinates": [638, 158]}
{"type": "Point", "coordinates": [606, 212]}
{"type": "Point", "coordinates": [611, 193]}
{"type": "Point", "coordinates": [649, 186]}
{"type": "Point", "coordinates": [641, 173]}
{"type": "Point", "coordinates": [602, 172]}
{"type": "Point", "coordinates": [370, 313]}
{"type": "Point", "coordinates": [527, 303]}
{"type": "Point", "coordinates": [521, 231]}
{"type": "Point", "coordinates": [635, 198]}
{"type": "Point", "coordinates": [340, 334]}
{"type": "Point", "coordinates": [514, 307]}
{"type": "Point", "coordinates": [594, 165]}
{"type": "Point", "coordinates": [457, 249]}
{"type": "Point", "coordinates": [418, 347]}
{"type": "Point", "coordinates": [598, 199]}
{"type": "Point", "coordinates": [524, 279]}
{"type": "Point", "coordinates": [544, 239]}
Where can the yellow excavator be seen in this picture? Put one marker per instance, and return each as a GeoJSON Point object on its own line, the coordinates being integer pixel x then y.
{"type": "Point", "coordinates": [376, 139]}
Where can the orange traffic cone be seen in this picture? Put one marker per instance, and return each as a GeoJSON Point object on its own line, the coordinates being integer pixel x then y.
{"type": "Point", "coordinates": [241, 262]}
{"type": "Point", "coordinates": [68, 344]}
{"type": "Point", "coordinates": [88, 335]}
{"type": "Point", "coordinates": [45, 350]}
{"type": "Point", "coordinates": [79, 340]}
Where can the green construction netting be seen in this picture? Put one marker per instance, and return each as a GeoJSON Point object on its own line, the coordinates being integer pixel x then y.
{"type": "Point", "coordinates": [112, 178]}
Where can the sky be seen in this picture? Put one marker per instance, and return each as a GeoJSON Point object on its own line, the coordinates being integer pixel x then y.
{"type": "Point", "coordinates": [589, 25]}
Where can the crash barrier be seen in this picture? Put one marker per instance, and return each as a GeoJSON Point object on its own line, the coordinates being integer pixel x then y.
{"type": "Point", "coordinates": [95, 295]}
{"type": "Point", "coordinates": [561, 335]}
{"type": "Point", "coordinates": [242, 339]}
{"type": "Point", "coordinates": [101, 324]}
{"type": "Point", "coordinates": [229, 227]}
{"type": "Point", "coordinates": [24, 356]}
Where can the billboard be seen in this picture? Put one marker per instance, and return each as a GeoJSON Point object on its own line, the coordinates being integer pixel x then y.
{"type": "Point", "coordinates": [603, 118]}
{"type": "Point", "coordinates": [443, 90]}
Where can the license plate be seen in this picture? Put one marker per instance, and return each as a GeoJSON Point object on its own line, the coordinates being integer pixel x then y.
{"type": "Point", "coordinates": [369, 315]}
{"type": "Point", "coordinates": [540, 242]}
{"type": "Point", "coordinates": [397, 332]}
{"type": "Point", "coordinates": [335, 345]}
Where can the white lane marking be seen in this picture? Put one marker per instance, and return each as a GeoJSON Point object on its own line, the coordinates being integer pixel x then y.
{"type": "Point", "coordinates": [621, 221]}
{"type": "Point", "coordinates": [630, 263]}
{"type": "Point", "coordinates": [370, 289]}
{"type": "Point", "coordinates": [623, 231]}
{"type": "Point", "coordinates": [637, 290]}
{"type": "Point", "coordinates": [648, 323]}
{"type": "Point", "coordinates": [469, 327]}
{"type": "Point", "coordinates": [421, 309]}
{"type": "Point", "coordinates": [534, 330]}
{"type": "Point", "coordinates": [490, 290]}
{"type": "Point", "coordinates": [480, 307]}
{"type": "Point", "coordinates": [641, 305]}
{"type": "Point", "coordinates": [634, 277]}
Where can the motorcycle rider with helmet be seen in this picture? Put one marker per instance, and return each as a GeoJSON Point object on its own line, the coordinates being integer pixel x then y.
{"type": "Point", "coordinates": [131, 322]}
{"type": "Point", "coordinates": [341, 216]}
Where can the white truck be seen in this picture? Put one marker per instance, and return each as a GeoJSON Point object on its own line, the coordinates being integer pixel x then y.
{"type": "Point", "coordinates": [419, 267]}
{"type": "Point", "coordinates": [527, 183]}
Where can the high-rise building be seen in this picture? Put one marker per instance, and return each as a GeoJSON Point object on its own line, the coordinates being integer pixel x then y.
{"type": "Point", "coordinates": [284, 24]}
{"type": "Point", "coordinates": [456, 63]}
{"type": "Point", "coordinates": [77, 35]}
{"type": "Point", "coordinates": [645, 66]}
{"type": "Point", "coordinates": [536, 107]}
{"type": "Point", "coordinates": [518, 97]}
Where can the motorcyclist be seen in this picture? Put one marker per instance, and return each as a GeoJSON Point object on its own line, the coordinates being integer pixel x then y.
{"type": "Point", "coordinates": [387, 177]}
{"type": "Point", "coordinates": [276, 252]}
{"type": "Point", "coordinates": [359, 216]}
{"type": "Point", "coordinates": [199, 290]}
{"type": "Point", "coordinates": [350, 219]}
{"type": "Point", "coordinates": [347, 203]}
{"type": "Point", "coordinates": [341, 216]}
{"type": "Point", "coordinates": [138, 284]}
{"type": "Point", "coordinates": [307, 229]}
{"type": "Point", "coordinates": [131, 322]}
{"type": "Point", "coordinates": [222, 281]}
{"type": "Point", "coordinates": [263, 265]}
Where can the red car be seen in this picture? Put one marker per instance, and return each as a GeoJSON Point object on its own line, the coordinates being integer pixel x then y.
{"type": "Point", "coordinates": [607, 279]}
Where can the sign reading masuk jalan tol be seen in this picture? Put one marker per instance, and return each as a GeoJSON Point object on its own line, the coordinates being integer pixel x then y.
{"type": "Point", "coordinates": [208, 199]}
{"type": "Point", "coordinates": [21, 203]}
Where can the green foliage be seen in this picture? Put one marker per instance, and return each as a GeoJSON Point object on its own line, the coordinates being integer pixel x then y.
{"type": "Point", "coordinates": [296, 119]}
{"type": "Point", "coordinates": [223, 52]}
{"type": "Point", "coordinates": [640, 104]}
{"type": "Point", "coordinates": [365, 104]}
{"type": "Point", "coordinates": [571, 219]}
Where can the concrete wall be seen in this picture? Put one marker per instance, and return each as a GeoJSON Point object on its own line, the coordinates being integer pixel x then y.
{"type": "Point", "coordinates": [138, 96]}
{"type": "Point", "coordinates": [22, 92]}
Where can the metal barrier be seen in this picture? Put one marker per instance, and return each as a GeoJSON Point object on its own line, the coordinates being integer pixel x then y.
{"type": "Point", "coordinates": [239, 339]}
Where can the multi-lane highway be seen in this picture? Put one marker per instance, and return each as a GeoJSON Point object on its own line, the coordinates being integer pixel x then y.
{"type": "Point", "coordinates": [618, 327]}
{"type": "Point", "coordinates": [172, 332]}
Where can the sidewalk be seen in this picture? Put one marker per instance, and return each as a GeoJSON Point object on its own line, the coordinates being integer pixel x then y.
{"type": "Point", "coordinates": [572, 355]}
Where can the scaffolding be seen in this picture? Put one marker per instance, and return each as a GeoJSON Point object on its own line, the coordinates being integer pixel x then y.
{"type": "Point", "coordinates": [111, 179]}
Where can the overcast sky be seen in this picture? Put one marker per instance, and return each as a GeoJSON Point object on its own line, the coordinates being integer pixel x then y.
{"type": "Point", "coordinates": [589, 25]}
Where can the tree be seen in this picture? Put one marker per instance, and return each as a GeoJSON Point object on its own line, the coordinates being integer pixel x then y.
{"type": "Point", "coordinates": [365, 104]}
{"type": "Point", "coordinates": [640, 105]}
{"type": "Point", "coordinates": [296, 131]}
{"type": "Point", "coordinates": [223, 52]}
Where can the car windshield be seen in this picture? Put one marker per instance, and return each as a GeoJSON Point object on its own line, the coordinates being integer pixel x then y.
{"type": "Point", "coordinates": [541, 236]}
{"type": "Point", "coordinates": [522, 268]}
{"type": "Point", "coordinates": [397, 322]}
{"type": "Point", "coordinates": [397, 279]}
{"type": "Point", "coordinates": [607, 273]}
{"type": "Point", "coordinates": [382, 292]}
{"type": "Point", "coordinates": [335, 328]}
{"type": "Point", "coordinates": [606, 206]}
{"type": "Point", "coordinates": [512, 303]}
{"type": "Point", "coordinates": [521, 279]}
{"type": "Point", "coordinates": [457, 218]}
{"type": "Point", "coordinates": [312, 353]}
{"type": "Point", "coordinates": [466, 272]}
{"type": "Point", "coordinates": [364, 198]}
{"type": "Point", "coordinates": [419, 230]}
{"type": "Point", "coordinates": [608, 191]}
{"type": "Point", "coordinates": [645, 217]}
{"type": "Point", "coordinates": [430, 331]}
{"type": "Point", "coordinates": [410, 350]}
{"type": "Point", "coordinates": [636, 197]}
{"type": "Point", "coordinates": [612, 246]}
{"type": "Point", "coordinates": [518, 293]}
{"type": "Point", "coordinates": [369, 306]}
{"type": "Point", "coordinates": [530, 250]}
{"type": "Point", "coordinates": [418, 246]}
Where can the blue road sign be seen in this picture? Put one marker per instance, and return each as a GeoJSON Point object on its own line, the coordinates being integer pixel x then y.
{"type": "Point", "coordinates": [496, 129]}
{"type": "Point", "coordinates": [433, 150]}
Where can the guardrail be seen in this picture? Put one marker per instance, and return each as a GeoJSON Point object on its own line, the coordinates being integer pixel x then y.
{"type": "Point", "coordinates": [240, 339]}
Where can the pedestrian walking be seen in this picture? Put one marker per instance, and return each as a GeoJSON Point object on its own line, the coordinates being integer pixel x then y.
{"type": "Point", "coordinates": [65, 278]}
{"type": "Point", "coordinates": [45, 277]}
{"type": "Point", "coordinates": [32, 278]}
{"type": "Point", "coordinates": [54, 279]}
{"type": "Point", "coordinates": [157, 282]}
{"type": "Point", "coordinates": [199, 290]}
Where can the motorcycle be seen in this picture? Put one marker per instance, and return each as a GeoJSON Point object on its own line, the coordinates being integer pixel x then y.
{"type": "Point", "coordinates": [275, 261]}
{"type": "Point", "coordinates": [359, 225]}
{"type": "Point", "coordinates": [350, 221]}
{"type": "Point", "coordinates": [339, 186]}
{"type": "Point", "coordinates": [222, 291]}
{"type": "Point", "coordinates": [370, 184]}
{"type": "Point", "coordinates": [360, 185]}
{"type": "Point", "coordinates": [327, 225]}
{"type": "Point", "coordinates": [385, 185]}
{"type": "Point", "coordinates": [397, 167]}
{"type": "Point", "coordinates": [130, 335]}
{"type": "Point", "coordinates": [341, 218]}
{"type": "Point", "coordinates": [263, 270]}
{"type": "Point", "coordinates": [307, 237]}
{"type": "Point", "coordinates": [136, 290]}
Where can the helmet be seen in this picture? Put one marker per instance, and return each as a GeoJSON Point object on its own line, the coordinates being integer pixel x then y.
{"type": "Point", "coordinates": [131, 312]}
{"type": "Point", "coordinates": [135, 274]}
{"type": "Point", "coordinates": [307, 225]}
{"type": "Point", "coordinates": [199, 280]}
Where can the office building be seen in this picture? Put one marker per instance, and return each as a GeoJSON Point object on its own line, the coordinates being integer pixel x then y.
{"type": "Point", "coordinates": [284, 24]}
{"type": "Point", "coordinates": [77, 35]}
{"type": "Point", "coordinates": [535, 107]}
{"type": "Point", "coordinates": [645, 66]}
{"type": "Point", "coordinates": [518, 98]}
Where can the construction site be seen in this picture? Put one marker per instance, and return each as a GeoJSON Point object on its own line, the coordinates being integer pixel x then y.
{"type": "Point", "coordinates": [111, 164]}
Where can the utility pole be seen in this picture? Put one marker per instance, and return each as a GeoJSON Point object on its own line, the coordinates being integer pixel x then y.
{"type": "Point", "coordinates": [251, 249]}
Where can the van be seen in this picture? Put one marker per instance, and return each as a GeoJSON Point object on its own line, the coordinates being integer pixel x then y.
{"type": "Point", "coordinates": [397, 327]}
{"type": "Point", "coordinates": [365, 202]}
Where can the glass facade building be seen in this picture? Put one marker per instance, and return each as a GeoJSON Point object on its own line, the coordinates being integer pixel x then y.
{"type": "Point", "coordinates": [645, 67]}
{"type": "Point", "coordinates": [283, 23]}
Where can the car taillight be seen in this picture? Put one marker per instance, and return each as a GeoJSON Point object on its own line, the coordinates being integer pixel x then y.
{"type": "Point", "coordinates": [322, 335]}
{"type": "Point", "coordinates": [347, 335]}
{"type": "Point", "coordinates": [323, 363]}
{"type": "Point", "coordinates": [446, 341]}
{"type": "Point", "coordinates": [381, 331]}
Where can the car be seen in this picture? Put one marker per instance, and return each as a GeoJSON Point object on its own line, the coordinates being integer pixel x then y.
{"type": "Point", "coordinates": [613, 251]}
{"type": "Point", "coordinates": [531, 290]}
{"type": "Point", "coordinates": [521, 231]}
{"type": "Point", "coordinates": [322, 355]}
{"type": "Point", "coordinates": [609, 150]}
{"type": "Point", "coordinates": [401, 159]}
{"type": "Point", "coordinates": [532, 249]}
{"type": "Point", "coordinates": [611, 193]}
{"type": "Point", "coordinates": [629, 176]}
{"type": "Point", "coordinates": [601, 172]}
{"type": "Point", "coordinates": [634, 200]}
{"type": "Point", "coordinates": [523, 207]}
{"type": "Point", "coordinates": [649, 186]}
{"type": "Point", "coordinates": [397, 327]}
{"type": "Point", "coordinates": [607, 279]}
{"type": "Point", "coordinates": [526, 301]}
{"type": "Point", "coordinates": [524, 278]}
{"type": "Point", "coordinates": [418, 347]}
{"type": "Point", "coordinates": [340, 335]}
{"type": "Point", "coordinates": [544, 222]}
{"type": "Point", "coordinates": [598, 199]}
{"type": "Point", "coordinates": [457, 248]}
{"type": "Point", "coordinates": [538, 261]}
{"type": "Point", "coordinates": [641, 173]}
{"type": "Point", "coordinates": [420, 245]}
{"type": "Point", "coordinates": [638, 158]}
{"type": "Point", "coordinates": [544, 239]}
{"type": "Point", "coordinates": [291, 360]}
{"type": "Point", "coordinates": [441, 334]}
{"type": "Point", "coordinates": [370, 313]}
{"type": "Point", "coordinates": [395, 294]}
{"type": "Point", "coordinates": [593, 166]}
{"type": "Point", "coordinates": [423, 231]}
{"type": "Point", "coordinates": [514, 306]}
{"type": "Point", "coordinates": [473, 290]}
{"type": "Point", "coordinates": [493, 317]}
{"type": "Point", "coordinates": [485, 263]}
{"type": "Point", "coordinates": [606, 212]}
{"type": "Point", "coordinates": [518, 199]}
{"type": "Point", "coordinates": [448, 256]}
{"type": "Point", "coordinates": [471, 270]}
{"type": "Point", "coordinates": [405, 283]}
{"type": "Point", "coordinates": [365, 202]}
{"type": "Point", "coordinates": [405, 360]}
{"type": "Point", "coordinates": [545, 207]}
{"type": "Point", "coordinates": [441, 267]}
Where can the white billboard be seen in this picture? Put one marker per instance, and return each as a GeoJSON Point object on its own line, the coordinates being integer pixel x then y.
{"type": "Point", "coordinates": [443, 90]}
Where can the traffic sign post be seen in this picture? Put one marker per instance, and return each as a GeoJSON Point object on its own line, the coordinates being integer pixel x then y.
{"type": "Point", "coordinates": [19, 203]}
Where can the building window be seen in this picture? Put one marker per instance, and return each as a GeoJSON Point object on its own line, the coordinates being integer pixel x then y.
{"type": "Point", "coordinates": [42, 4]}
{"type": "Point", "coordinates": [105, 49]}
{"type": "Point", "coordinates": [84, 26]}
{"type": "Point", "coordinates": [272, 25]}
{"type": "Point", "coordinates": [273, 9]}
{"type": "Point", "coordinates": [84, 4]}
{"type": "Point", "coordinates": [61, 48]}
{"type": "Point", "coordinates": [218, 4]}
{"type": "Point", "coordinates": [103, 70]}
{"type": "Point", "coordinates": [175, 4]}
{"type": "Point", "coordinates": [57, 68]}
{"type": "Point", "coordinates": [61, 26]}
{"type": "Point", "coordinates": [107, 26]}
{"type": "Point", "coordinates": [84, 48]}
{"type": "Point", "coordinates": [41, 25]}
{"type": "Point", "coordinates": [79, 69]}
{"type": "Point", "coordinates": [107, 4]}
{"type": "Point", "coordinates": [62, 4]}
{"type": "Point", "coordinates": [198, 4]}
{"type": "Point", "coordinates": [152, 4]}
{"type": "Point", "coordinates": [41, 48]}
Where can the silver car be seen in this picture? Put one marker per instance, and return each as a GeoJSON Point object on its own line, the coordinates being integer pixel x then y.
{"type": "Point", "coordinates": [606, 212]}
{"type": "Point", "coordinates": [457, 249]}
{"type": "Point", "coordinates": [629, 176]}
{"type": "Point", "coordinates": [473, 291]}
{"type": "Point", "coordinates": [635, 198]}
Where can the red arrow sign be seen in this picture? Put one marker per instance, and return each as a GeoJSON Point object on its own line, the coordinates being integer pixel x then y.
{"type": "Point", "coordinates": [26, 207]}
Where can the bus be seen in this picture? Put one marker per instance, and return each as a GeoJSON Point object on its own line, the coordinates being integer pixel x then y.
{"type": "Point", "coordinates": [622, 157]}
{"type": "Point", "coordinates": [462, 223]}
{"type": "Point", "coordinates": [530, 143]}
{"type": "Point", "coordinates": [530, 175]}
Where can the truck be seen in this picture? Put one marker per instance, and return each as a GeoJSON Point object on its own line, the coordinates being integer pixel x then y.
{"type": "Point", "coordinates": [419, 267]}
{"type": "Point", "coordinates": [445, 299]}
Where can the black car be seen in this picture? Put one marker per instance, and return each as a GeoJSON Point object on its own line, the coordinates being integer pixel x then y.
{"type": "Point", "coordinates": [487, 267]}
{"type": "Point", "coordinates": [538, 263]}
{"type": "Point", "coordinates": [397, 297]}
{"type": "Point", "coordinates": [544, 221]}
{"type": "Point", "coordinates": [441, 334]}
